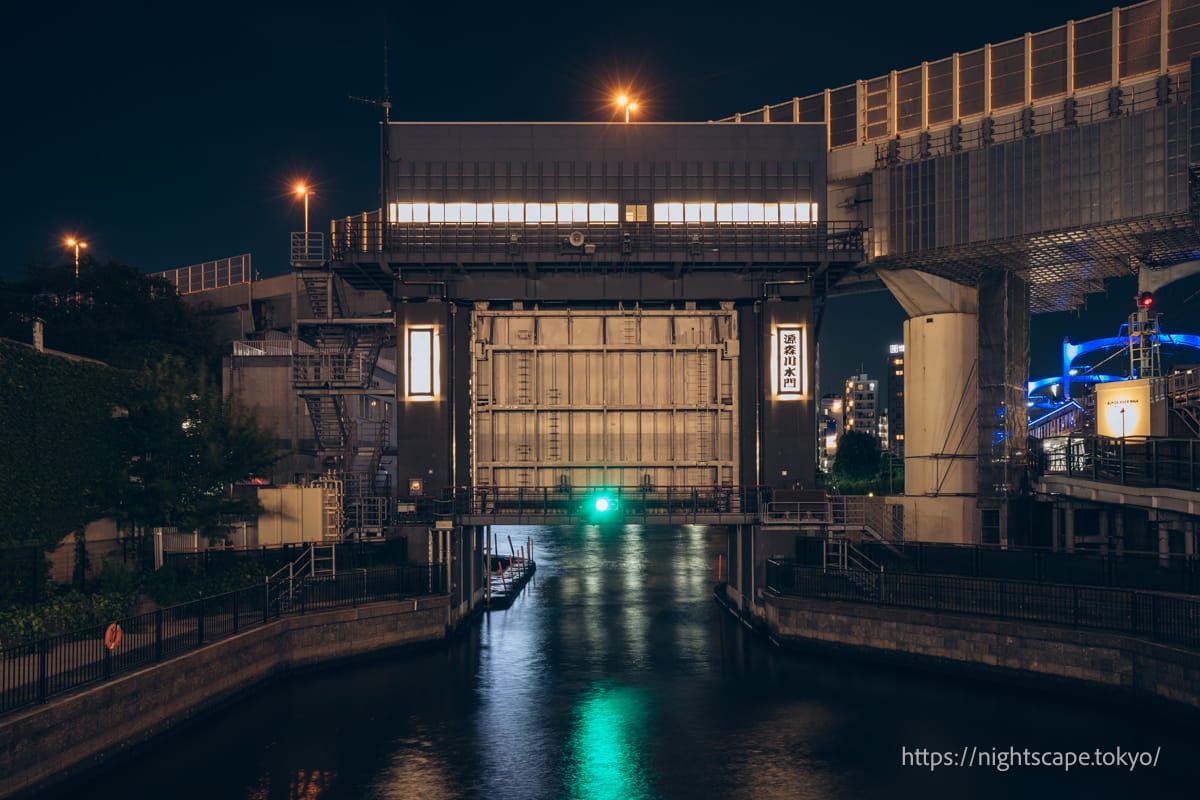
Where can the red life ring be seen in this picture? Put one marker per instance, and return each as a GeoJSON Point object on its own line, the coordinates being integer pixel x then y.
{"type": "Point", "coordinates": [112, 636]}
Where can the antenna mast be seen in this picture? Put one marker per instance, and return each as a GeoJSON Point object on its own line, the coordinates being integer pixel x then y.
{"type": "Point", "coordinates": [385, 149]}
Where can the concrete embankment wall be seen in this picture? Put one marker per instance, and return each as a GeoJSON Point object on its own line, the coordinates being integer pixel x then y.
{"type": "Point", "coordinates": [69, 734]}
{"type": "Point", "coordinates": [1019, 649]}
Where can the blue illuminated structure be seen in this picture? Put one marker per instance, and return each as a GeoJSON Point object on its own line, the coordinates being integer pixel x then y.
{"type": "Point", "coordinates": [1070, 352]}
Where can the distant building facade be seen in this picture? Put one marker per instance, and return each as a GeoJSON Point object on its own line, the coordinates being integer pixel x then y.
{"type": "Point", "coordinates": [862, 404]}
{"type": "Point", "coordinates": [895, 405]}
{"type": "Point", "coordinates": [830, 423]}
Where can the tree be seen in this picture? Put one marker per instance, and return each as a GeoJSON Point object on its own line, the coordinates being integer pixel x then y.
{"type": "Point", "coordinates": [190, 445]}
{"type": "Point", "coordinates": [857, 456]}
{"type": "Point", "coordinates": [119, 315]}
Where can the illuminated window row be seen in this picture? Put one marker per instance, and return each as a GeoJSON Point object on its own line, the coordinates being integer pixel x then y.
{"type": "Point", "coordinates": [602, 213]}
{"type": "Point", "coordinates": [750, 213]}
{"type": "Point", "coordinates": [528, 213]}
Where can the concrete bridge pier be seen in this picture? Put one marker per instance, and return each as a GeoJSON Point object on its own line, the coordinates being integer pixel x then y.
{"type": "Point", "coordinates": [966, 363]}
{"type": "Point", "coordinates": [749, 549]}
{"type": "Point", "coordinates": [458, 548]}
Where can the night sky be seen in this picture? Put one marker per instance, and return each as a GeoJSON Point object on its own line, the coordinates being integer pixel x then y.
{"type": "Point", "coordinates": [167, 137]}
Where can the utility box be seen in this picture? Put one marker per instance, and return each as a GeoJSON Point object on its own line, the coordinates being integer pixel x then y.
{"type": "Point", "coordinates": [291, 515]}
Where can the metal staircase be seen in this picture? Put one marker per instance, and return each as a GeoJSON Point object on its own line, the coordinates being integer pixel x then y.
{"type": "Point", "coordinates": [1184, 393]}
{"type": "Point", "coordinates": [330, 420]}
{"type": "Point", "coordinates": [335, 362]}
{"type": "Point", "coordinates": [323, 558]}
{"type": "Point", "coordinates": [841, 557]}
{"type": "Point", "coordinates": [322, 295]}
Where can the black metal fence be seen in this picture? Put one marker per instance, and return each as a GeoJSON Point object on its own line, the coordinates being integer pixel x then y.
{"type": "Point", "coordinates": [1127, 570]}
{"type": "Point", "coordinates": [1164, 618]}
{"type": "Point", "coordinates": [348, 555]}
{"type": "Point", "coordinates": [1170, 463]}
{"type": "Point", "coordinates": [34, 672]}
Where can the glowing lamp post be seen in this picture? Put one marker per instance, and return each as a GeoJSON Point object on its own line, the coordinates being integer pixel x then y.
{"type": "Point", "coordinates": [627, 103]}
{"type": "Point", "coordinates": [78, 245]}
{"type": "Point", "coordinates": [302, 190]}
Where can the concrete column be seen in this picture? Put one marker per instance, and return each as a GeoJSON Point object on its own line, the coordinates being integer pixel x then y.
{"type": "Point", "coordinates": [1056, 528]}
{"type": "Point", "coordinates": [941, 396]}
{"type": "Point", "coordinates": [1069, 528]}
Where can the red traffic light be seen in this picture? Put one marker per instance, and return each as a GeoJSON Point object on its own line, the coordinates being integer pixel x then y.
{"type": "Point", "coordinates": [1146, 300]}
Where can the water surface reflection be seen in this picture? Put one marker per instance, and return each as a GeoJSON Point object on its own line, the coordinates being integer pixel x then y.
{"type": "Point", "coordinates": [615, 675]}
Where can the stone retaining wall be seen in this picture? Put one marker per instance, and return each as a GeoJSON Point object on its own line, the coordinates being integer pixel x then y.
{"type": "Point", "coordinates": [78, 731]}
{"type": "Point", "coordinates": [1136, 666]}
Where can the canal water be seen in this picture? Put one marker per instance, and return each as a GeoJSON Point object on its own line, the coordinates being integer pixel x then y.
{"type": "Point", "coordinates": [616, 675]}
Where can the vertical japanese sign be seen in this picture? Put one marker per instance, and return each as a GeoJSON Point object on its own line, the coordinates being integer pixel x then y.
{"type": "Point", "coordinates": [789, 370]}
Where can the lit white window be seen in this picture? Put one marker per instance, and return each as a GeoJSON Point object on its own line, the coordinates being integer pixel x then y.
{"type": "Point", "coordinates": [741, 212]}
{"type": "Point", "coordinates": [509, 212]}
{"type": "Point", "coordinates": [668, 212]}
{"type": "Point", "coordinates": [539, 212]}
{"type": "Point", "coordinates": [483, 212]}
{"type": "Point", "coordinates": [787, 213]}
{"type": "Point", "coordinates": [724, 212]}
{"type": "Point", "coordinates": [572, 213]}
{"type": "Point", "coordinates": [420, 212]}
{"type": "Point", "coordinates": [603, 213]}
{"type": "Point", "coordinates": [771, 213]}
{"type": "Point", "coordinates": [708, 212]}
{"type": "Point", "coordinates": [437, 212]}
{"type": "Point", "coordinates": [452, 212]}
{"type": "Point", "coordinates": [754, 212]}
{"type": "Point", "coordinates": [422, 363]}
{"type": "Point", "coordinates": [402, 212]}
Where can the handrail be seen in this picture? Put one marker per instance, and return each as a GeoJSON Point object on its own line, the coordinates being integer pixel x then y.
{"type": "Point", "coordinates": [32, 671]}
{"type": "Point", "coordinates": [566, 502]}
{"type": "Point", "coordinates": [702, 242]}
{"type": "Point", "coordinates": [1156, 615]}
{"type": "Point", "coordinates": [1152, 462]}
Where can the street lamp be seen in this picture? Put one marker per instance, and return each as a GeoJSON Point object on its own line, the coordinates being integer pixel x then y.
{"type": "Point", "coordinates": [78, 245]}
{"type": "Point", "coordinates": [627, 103]}
{"type": "Point", "coordinates": [302, 190]}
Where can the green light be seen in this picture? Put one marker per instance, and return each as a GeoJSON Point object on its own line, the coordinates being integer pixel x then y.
{"type": "Point", "coordinates": [605, 755]}
{"type": "Point", "coordinates": [602, 504]}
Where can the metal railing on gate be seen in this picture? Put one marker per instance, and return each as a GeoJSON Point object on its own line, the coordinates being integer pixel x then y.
{"type": "Point", "coordinates": [33, 672]}
{"type": "Point", "coordinates": [631, 502]}
{"type": "Point", "coordinates": [1161, 617]}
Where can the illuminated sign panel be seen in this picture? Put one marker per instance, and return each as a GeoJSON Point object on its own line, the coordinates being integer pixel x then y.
{"type": "Point", "coordinates": [422, 368]}
{"type": "Point", "coordinates": [789, 362]}
{"type": "Point", "coordinates": [1123, 409]}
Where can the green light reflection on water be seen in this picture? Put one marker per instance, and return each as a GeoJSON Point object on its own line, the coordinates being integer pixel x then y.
{"type": "Point", "coordinates": [605, 756]}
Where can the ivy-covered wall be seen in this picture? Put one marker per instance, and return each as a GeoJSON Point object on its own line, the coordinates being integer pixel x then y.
{"type": "Point", "coordinates": [63, 451]}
